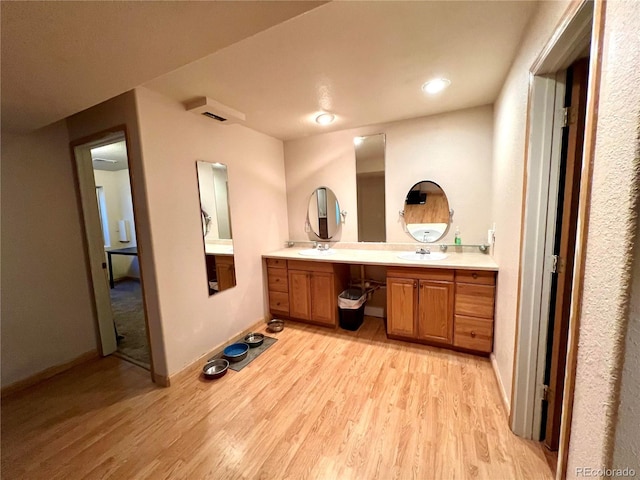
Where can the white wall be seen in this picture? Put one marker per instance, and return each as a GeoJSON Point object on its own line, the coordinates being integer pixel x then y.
{"type": "Point", "coordinates": [117, 193]}
{"type": "Point", "coordinates": [615, 189]}
{"type": "Point", "coordinates": [627, 440]}
{"type": "Point", "coordinates": [510, 113]}
{"type": "Point", "coordinates": [116, 114]}
{"type": "Point", "coordinates": [453, 149]}
{"type": "Point", "coordinates": [47, 312]}
{"type": "Point", "coordinates": [172, 140]}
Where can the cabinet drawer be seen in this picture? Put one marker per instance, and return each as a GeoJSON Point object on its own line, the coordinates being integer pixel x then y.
{"type": "Point", "coordinates": [473, 333]}
{"type": "Point", "coordinates": [307, 266]}
{"type": "Point", "coordinates": [279, 302]}
{"type": "Point", "coordinates": [427, 273]}
{"type": "Point", "coordinates": [276, 263]}
{"type": "Point", "coordinates": [477, 277]}
{"type": "Point", "coordinates": [474, 300]}
{"type": "Point", "coordinates": [278, 281]}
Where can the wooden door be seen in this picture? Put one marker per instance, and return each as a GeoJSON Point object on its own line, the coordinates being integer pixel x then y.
{"type": "Point", "coordinates": [402, 303]}
{"type": "Point", "coordinates": [435, 311]}
{"type": "Point", "coordinates": [323, 303]}
{"type": "Point", "coordinates": [300, 294]}
{"type": "Point", "coordinates": [566, 224]}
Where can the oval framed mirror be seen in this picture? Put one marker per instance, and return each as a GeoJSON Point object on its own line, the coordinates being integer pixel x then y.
{"type": "Point", "coordinates": [426, 212]}
{"type": "Point", "coordinates": [323, 214]}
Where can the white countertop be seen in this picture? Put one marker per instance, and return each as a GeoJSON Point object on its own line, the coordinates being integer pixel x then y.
{"type": "Point", "coordinates": [214, 249]}
{"type": "Point", "coordinates": [462, 261]}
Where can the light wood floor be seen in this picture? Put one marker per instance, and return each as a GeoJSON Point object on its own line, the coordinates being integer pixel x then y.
{"type": "Point", "coordinates": [318, 404]}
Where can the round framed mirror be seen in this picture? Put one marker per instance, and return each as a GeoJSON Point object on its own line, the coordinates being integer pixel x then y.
{"type": "Point", "coordinates": [323, 215]}
{"type": "Point", "coordinates": [426, 212]}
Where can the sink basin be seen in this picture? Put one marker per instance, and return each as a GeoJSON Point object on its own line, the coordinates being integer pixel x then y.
{"type": "Point", "coordinates": [422, 257]}
{"type": "Point", "coordinates": [314, 252]}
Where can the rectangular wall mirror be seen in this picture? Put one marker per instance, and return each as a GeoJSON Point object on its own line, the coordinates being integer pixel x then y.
{"type": "Point", "coordinates": [370, 162]}
{"type": "Point", "coordinates": [215, 214]}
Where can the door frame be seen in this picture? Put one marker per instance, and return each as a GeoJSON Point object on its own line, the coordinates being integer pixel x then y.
{"type": "Point", "coordinates": [583, 21]}
{"type": "Point", "coordinates": [107, 136]}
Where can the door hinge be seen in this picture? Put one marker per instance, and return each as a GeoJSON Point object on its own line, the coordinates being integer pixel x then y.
{"type": "Point", "coordinates": [545, 392]}
{"type": "Point", "coordinates": [568, 116]}
{"type": "Point", "coordinates": [554, 263]}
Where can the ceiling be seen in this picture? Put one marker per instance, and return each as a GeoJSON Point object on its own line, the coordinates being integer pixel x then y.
{"type": "Point", "coordinates": [363, 61]}
{"type": "Point", "coordinates": [110, 157]}
{"type": "Point", "coordinates": [59, 58]}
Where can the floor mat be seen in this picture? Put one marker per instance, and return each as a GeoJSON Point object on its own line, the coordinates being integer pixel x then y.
{"type": "Point", "coordinates": [253, 354]}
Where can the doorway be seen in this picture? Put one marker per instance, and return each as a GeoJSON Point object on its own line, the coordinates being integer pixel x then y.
{"type": "Point", "coordinates": [110, 229]}
{"type": "Point", "coordinates": [550, 243]}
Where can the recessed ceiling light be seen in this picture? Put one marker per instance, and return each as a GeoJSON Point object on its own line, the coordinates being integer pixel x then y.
{"type": "Point", "coordinates": [358, 140]}
{"type": "Point", "coordinates": [436, 85]}
{"type": "Point", "coordinates": [325, 118]}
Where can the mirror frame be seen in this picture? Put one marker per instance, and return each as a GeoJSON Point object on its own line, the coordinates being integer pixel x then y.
{"type": "Point", "coordinates": [339, 217]}
{"type": "Point", "coordinates": [450, 211]}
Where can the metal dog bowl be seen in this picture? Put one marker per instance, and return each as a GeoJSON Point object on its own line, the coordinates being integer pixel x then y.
{"type": "Point", "coordinates": [254, 339]}
{"type": "Point", "coordinates": [236, 352]}
{"type": "Point", "coordinates": [275, 325]}
{"type": "Point", "coordinates": [215, 368]}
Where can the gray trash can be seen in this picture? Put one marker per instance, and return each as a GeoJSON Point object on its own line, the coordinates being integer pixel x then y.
{"type": "Point", "coordinates": [351, 308]}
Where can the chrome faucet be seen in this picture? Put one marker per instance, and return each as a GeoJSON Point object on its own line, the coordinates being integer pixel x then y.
{"type": "Point", "coordinates": [423, 251]}
{"type": "Point", "coordinates": [322, 246]}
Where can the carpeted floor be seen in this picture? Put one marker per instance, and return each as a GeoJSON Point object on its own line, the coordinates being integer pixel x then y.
{"type": "Point", "coordinates": [128, 313]}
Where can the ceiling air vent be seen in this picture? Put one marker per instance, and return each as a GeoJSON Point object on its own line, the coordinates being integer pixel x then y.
{"type": "Point", "coordinates": [214, 116]}
{"type": "Point", "coordinates": [215, 110]}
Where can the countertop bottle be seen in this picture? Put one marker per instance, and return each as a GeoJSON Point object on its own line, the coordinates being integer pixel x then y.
{"type": "Point", "coordinates": [457, 240]}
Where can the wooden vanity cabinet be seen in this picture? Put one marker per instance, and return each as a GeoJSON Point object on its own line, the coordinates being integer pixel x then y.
{"type": "Point", "coordinates": [420, 304]}
{"type": "Point", "coordinates": [225, 271]}
{"type": "Point", "coordinates": [474, 307]}
{"type": "Point", "coordinates": [311, 289]}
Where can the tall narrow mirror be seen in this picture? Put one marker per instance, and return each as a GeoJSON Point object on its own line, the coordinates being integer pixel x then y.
{"type": "Point", "coordinates": [216, 226]}
{"type": "Point", "coordinates": [370, 188]}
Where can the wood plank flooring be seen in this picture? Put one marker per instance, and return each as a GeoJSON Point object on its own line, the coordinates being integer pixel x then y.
{"type": "Point", "coordinates": [318, 404]}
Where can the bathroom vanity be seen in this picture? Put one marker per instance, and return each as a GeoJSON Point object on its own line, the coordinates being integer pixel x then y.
{"type": "Point", "coordinates": [448, 303]}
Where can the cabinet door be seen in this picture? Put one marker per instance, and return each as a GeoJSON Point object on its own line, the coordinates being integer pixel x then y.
{"type": "Point", "coordinates": [226, 272]}
{"type": "Point", "coordinates": [402, 302]}
{"type": "Point", "coordinates": [300, 294]}
{"type": "Point", "coordinates": [435, 311]}
{"type": "Point", "coordinates": [323, 305]}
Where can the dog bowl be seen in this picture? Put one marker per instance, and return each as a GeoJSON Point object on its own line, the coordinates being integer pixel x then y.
{"type": "Point", "coordinates": [215, 368]}
{"type": "Point", "coordinates": [254, 339]}
{"type": "Point", "coordinates": [236, 352]}
{"type": "Point", "coordinates": [275, 325]}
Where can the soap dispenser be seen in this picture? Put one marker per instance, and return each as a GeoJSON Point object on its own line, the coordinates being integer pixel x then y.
{"type": "Point", "coordinates": [457, 240]}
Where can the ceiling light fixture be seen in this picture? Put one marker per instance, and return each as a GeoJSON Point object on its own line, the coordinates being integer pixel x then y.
{"type": "Point", "coordinates": [436, 85]}
{"type": "Point", "coordinates": [358, 141]}
{"type": "Point", "coordinates": [325, 118]}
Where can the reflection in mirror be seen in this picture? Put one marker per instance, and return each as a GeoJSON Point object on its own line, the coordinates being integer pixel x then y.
{"type": "Point", "coordinates": [216, 226]}
{"type": "Point", "coordinates": [370, 188]}
{"type": "Point", "coordinates": [426, 212]}
{"type": "Point", "coordinates": [323, 215]}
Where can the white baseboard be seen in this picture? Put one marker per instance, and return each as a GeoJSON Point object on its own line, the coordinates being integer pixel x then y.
{"type": "Point", "coordinates": [374, 311]}
{"type": "Point", "coordinates": [503, 393]}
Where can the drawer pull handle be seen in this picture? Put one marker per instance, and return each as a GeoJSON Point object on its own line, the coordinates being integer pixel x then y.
{"type": "Point", "coordinates": [277, 279]}
{"type": "Point", "coordinates": [473, 334]}
{"type": "Point", "coordinates": [278, 304]}
{"type": "Point", "coordinates": [474, 275]}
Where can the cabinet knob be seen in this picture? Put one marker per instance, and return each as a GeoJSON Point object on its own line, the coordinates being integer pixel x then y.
{"type": "Point", "coordinates": [277, 280]}
{"type": "Point", "coordinates": [473, 334]}
{"type": "Point", "coordinates": [474, 275]}
{"type": "Point", "coordinates": [415, 284]}
{"type": "Point", "coordinates": [278, 304]}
